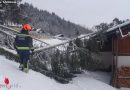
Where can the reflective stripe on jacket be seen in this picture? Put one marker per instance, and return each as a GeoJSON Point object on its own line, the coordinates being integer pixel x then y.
{"type": "Point", "coordinates": [22, 48]}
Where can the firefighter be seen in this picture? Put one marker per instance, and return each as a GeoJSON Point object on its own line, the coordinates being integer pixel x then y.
{"type": "Point", "coordinates": [24, 46]}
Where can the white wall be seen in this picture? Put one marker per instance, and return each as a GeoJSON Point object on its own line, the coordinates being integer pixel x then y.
{"type": "Point", "coordinates": [106, 57]}
{"type": "Point", "coordinates": [123, 61]}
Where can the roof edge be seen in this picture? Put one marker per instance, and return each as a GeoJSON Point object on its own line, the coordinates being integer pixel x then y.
{"type": "Point", "coordinates": [118, 26]}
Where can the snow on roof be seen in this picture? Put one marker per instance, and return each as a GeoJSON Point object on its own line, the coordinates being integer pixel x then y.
{"type": "Point", "coordinates": [120, 25]}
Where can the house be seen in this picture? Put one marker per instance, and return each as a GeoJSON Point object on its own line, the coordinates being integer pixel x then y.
{"type": "Point", "coordinates": [116, 53]}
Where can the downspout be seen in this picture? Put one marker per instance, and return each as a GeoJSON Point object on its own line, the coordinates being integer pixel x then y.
{"type": "Point", "coordinates": [112, 56]}
{"type": "Point", "coordinates": [116, 64]}
{"type": "Point", "coordinates": [116, 53]}
{"type": "Point", "coordinates": [113, 59]}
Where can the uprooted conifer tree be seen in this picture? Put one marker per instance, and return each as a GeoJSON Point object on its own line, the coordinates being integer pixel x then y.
{"type": "Point", "coordinates": [80, 53]}
{"type": "Point", "coordinates": [77, 57]}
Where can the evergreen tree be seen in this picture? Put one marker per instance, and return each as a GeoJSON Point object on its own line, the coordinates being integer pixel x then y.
{"type": "Point", "coordinates": [11, 12]}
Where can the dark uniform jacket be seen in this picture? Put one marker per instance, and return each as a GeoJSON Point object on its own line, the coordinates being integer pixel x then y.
{"type": "Point", "coordinates": [23, 42]}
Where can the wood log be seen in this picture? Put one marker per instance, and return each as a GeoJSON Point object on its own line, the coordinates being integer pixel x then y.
{"type": "Point", "coordinates": [123, 77]}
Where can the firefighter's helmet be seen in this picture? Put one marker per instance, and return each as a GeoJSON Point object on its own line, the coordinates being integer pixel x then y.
{"type": "Point", "coordinates": [27, 27]}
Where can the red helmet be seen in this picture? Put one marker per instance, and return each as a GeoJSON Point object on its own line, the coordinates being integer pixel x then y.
{"type": "Point", "coordinates": [27, 27]}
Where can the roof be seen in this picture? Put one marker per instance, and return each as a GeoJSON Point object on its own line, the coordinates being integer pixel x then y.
{"type": "Point", "coordinates": [118, 26]}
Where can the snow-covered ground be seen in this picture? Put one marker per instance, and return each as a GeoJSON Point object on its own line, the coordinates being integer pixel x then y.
{"type": "Point", "coordinates": [101, 76]}
{"type": "Point", "coordinates": [36, 81]}
{"type": "Point", "coordinates": [50, 41]}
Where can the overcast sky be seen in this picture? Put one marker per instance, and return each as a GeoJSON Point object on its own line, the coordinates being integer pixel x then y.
{"type": "Point", "coordinates": [86, 12]}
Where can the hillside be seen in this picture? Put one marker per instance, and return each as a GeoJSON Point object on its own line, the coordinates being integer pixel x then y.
{"type": "Point", "coordinates": [50, 22]}
{"type": "Point", "coordinates": [36, 81]}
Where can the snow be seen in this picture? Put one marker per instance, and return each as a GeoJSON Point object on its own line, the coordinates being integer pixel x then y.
{"type": "Point", "coordinates": [50, 42]}
{"type": "Point", "coordinates": [36, 81]}
{"type": "Point", "coordinates": [38, 44]}
{"type": "Point", "coordinates": [53, 41]}
{"type": "Point", "coordinates": [120, 25]}
{"type": "Point", "coordinates": [101, 76]}
{"type": "Point", "coordinates": [84, 35]}
{"type": "Point", "coordinates": [9, 50]}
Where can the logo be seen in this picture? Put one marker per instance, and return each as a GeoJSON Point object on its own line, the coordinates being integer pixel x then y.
{"type": "Point", "coordinates": [8, 2]}
{"type": "Point", "coordinates": [6, 83]}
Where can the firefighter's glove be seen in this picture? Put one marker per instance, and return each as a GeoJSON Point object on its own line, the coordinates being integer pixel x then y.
{"type": "Point", "coordinates": [32, 51]}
